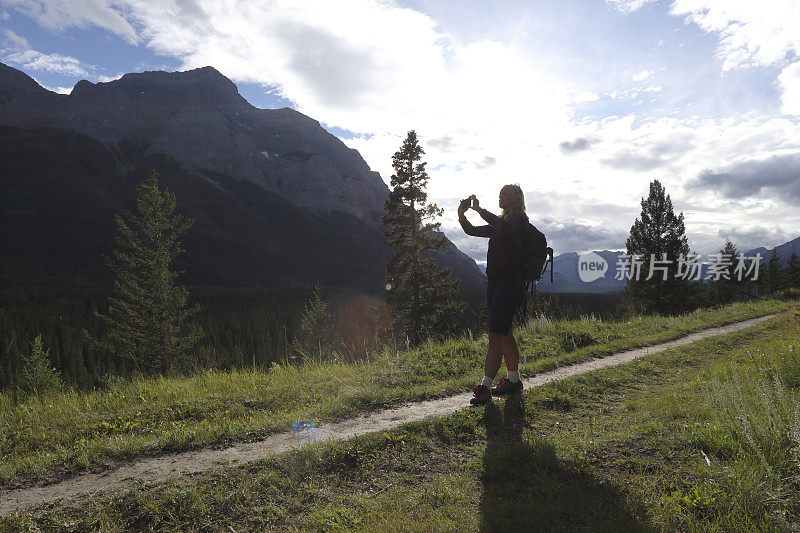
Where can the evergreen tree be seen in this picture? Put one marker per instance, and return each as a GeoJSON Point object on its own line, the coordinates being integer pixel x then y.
{"type": "Point", "coordinates": [726, 264]}
{"type": "Point", "coordinates": [37, 374]}
{"type": "Point", "coordinates": [422, 296]}
{"type": "Point", "coordinates": [146, 322]}
{"type": "Point", "coordinates": [657, 232]}
{"type": "Point", "coordinates": [772, 273]}
{"type": "Point", "coordinates": [317, 336]}
{"type": "Point", "coordinates": [793, 271]}
{"type": "Point", "coordinates": [729, 253]}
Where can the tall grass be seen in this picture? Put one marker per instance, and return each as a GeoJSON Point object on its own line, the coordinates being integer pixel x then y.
{"type": "Point", "coordinates": [761, 413]}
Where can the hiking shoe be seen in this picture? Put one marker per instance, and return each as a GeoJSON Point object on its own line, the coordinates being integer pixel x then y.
{"type": "Point", "coordinates": [481, 395]}
{"type": "Point", "coordinates": [506, 386]}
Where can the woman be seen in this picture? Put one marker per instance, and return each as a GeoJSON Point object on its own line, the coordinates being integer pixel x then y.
{"type": "Point", "coordinates": [504, 268]}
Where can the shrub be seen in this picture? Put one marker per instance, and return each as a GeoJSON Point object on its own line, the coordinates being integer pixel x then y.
{"type": "Point", "coordinates": [37, 374]}
{"type": "Point", "coordinates": [317, 337]}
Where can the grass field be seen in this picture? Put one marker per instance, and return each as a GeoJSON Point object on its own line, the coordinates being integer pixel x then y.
{"type": "Point", "coordinates": [640, 447]}
{"type": "Point", "coordinates": [53, 435]}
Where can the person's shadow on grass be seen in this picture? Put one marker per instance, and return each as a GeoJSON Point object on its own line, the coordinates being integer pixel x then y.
{"type": "Point", "coordinates": [527, 488]}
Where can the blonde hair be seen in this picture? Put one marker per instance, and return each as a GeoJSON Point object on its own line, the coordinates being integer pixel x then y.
{"type": "Point", "coordinates": [519, 207]}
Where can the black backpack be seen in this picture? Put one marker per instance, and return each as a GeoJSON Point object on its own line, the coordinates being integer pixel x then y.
{"type": "Point", "coordinates": [536, 255]}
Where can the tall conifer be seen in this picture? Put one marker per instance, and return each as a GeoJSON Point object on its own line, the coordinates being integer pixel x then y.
{"type": "Point", "coordinates": [772, 278]}
{"type": "Point", "coordinates": [147, 318]}
{"type": "Point", "coordinates": [658, 231]}
{"type": "Point", "coordinates": [793, 271]}
{"type": "Point", "coordinates": [422, 295]}
{"type": "Point", "coordinates": [729, 252]}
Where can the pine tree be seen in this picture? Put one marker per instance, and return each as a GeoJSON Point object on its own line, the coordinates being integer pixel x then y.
{"type": "Point", "coordinates": [772, 273]}
{"type": "Point", "coordinates": [729, 253]}
{"type": "Point", "coordinates": [726, 259]}
{"type": "Point", "coordinates": [146, 322]}
{"type": "Point", "coordinates": [317, 336]}
{"type": "Point", "coordinates": [793, 271]}
{"type": "Point", "coordinates": [37, 374]}
{"type": "Point", "coordinates": [422, 296]}
{"type": "Point", "coordinates": [657, 232]}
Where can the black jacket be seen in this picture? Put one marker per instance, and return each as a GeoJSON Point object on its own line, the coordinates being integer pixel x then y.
{"type": "Point", "coordinates": [504, 260]}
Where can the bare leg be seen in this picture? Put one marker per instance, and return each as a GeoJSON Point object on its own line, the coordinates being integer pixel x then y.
{"type": "Point", "coordinates": [494, 355]}
{"type": "Point", "coordinates": [510, 350]}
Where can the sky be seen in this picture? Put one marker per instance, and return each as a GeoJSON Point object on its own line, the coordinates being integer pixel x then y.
{"type": "Point", "coordinates": [582, 103]}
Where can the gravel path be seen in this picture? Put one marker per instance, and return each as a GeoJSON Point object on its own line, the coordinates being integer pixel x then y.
{"type": "Point", "coordinates": [155, 469]}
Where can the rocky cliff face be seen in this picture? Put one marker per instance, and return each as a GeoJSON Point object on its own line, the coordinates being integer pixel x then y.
{"type": "Point", "coordinates": [198, 118]}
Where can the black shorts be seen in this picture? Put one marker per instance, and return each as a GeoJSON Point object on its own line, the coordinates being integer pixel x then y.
{"type": "Point", "coordinates": [503, 298]}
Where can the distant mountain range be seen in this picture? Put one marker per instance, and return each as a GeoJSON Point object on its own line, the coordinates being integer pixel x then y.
{"type": "Point", "coordinates": [566, 276]}
{"type": "Point", "coordinates": [784, 250]}
{"type": "Point", "coordinates": [277, 200]}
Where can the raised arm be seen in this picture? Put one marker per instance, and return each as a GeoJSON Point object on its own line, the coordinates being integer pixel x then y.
{"type": "Point", "coordinates": [489, 217]}
{"type": "Point", "coordinates": [469, 229]}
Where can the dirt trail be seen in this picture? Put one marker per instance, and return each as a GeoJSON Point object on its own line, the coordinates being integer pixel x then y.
{"type": "Point", "coordinates": [154, 469]}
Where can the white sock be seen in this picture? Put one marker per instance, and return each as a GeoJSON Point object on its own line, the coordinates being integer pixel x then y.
{"type": "Point", "coordinates": [513, 376]}
{"type": "Point", "coordinates": [487, 382]}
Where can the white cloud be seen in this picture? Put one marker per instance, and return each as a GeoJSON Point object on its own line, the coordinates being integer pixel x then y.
{"type": "Point", "coordinates": [59, 90]}
{"type": "Point", "coordinates": [628, 6]}
{"type": "Point", "coordinates": [62, 14]}
{"type": "Point", "coordinates": [643, 75]}
{"type": "Point", "coordinates": [5, 15]}
{"type": "Point", "coordinates": [105, 79]}
{"type": "Point", "coordinates": [709, 239]}
{"type": "Point", "coordinates": [585, 96]}
{"type": "Point", "coordinates": [368, 66]}
{"type": "Point", "coordinates": [789, 81]}
{"type": "Point", "coordinates": [16, 41]}
{"type": "Point", "coordinates": [37, 61]}
{"type": "Point", "coordinates": [374, 69]}
{"type": "Point", "coordinates": [750, 33]}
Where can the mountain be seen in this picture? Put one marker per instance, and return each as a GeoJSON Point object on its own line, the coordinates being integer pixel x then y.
{"type": "Point", "coordinates": [199, 119]}
{"type": "Point", "coordinates": [276, 198]}
{"type": "Point", "coordinates": [566, 277]}
{"type": "Point", "coordinates": [785, 250]}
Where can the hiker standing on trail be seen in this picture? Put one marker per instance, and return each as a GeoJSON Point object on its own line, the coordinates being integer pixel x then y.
{"type": "Point", "coordinates": [504, 293]}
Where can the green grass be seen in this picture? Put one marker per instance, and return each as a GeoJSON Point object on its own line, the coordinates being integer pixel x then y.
{"type": "Point", "coordinates": [55, 434]}
{"type": "Point", "coordinates": [617, 449]}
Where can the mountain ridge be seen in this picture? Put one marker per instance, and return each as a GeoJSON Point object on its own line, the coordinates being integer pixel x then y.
{"type": "Point", "coordinates": [66, 146]}
{"type": "Point", "coordinates": [785, 250]}
{"type": "Point", "coordinates": [199, 118]}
